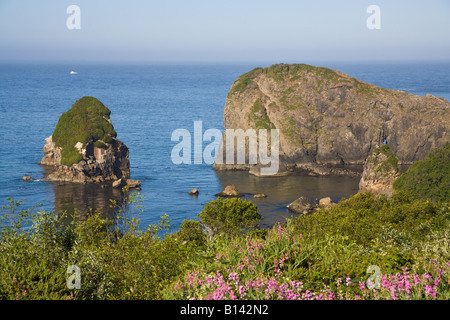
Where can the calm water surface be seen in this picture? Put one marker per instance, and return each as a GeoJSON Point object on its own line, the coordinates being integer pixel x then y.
{"type": "Point", "coordinates": [147, 103]}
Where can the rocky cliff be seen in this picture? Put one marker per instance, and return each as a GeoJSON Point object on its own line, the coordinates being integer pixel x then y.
{"type": "Point", "coordinates": [380, 171]}
{"type": "Point", "coordinates": [84, 147]}
{"type": "Point", "coordinates": [329, 121]}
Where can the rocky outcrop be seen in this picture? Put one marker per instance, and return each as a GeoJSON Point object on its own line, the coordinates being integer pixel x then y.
{"type": "Point", "coordinates": [193, 192]}
{"type": "Point", "coordinates": [380, 171]}
{"type": "Point", "coordinates": [303, 205]}
{"type": "Point", "coordinates": [86, 149]}
{"type": "Point", "coordinates": [330, 122]}
{"type": "Point", "coordinates": [229, 191]}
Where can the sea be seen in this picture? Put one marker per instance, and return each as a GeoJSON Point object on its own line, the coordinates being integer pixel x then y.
{"type": "Point", "coordinates": [148, 101]}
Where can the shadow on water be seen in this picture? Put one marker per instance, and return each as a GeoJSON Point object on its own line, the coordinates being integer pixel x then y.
{"type": "Point", "coordinates": [281, 191]}
{"type": "Point", "coordinates": [85, 197]}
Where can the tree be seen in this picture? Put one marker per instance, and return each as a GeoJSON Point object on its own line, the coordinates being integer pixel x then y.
{"type": "Point", "coordinates": [229, 216]}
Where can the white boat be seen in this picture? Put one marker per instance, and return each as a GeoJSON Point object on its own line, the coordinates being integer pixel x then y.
{"type": "Point", "coordinates": [73, 72]}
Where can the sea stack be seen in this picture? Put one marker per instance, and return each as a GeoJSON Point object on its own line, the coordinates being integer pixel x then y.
{"type": "Point", "coordinates": [329, 122]}
{"type": "Point", "coordinates": [83, 147]}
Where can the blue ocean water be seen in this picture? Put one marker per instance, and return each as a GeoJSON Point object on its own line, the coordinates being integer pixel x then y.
{"type": "Point", "coordinates": [148, 102]}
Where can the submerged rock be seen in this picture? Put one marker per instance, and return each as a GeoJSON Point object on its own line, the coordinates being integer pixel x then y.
{"type": "Point", "coordinates": [84, 147]}
{"type": "Point", "coordinates": [328, 121]}
{"type": "Point", "coordinates": [260, 195]}
{"type": "Point", "coordinates": [303, 205]}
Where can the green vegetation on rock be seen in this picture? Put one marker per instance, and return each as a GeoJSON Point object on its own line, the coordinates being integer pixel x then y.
{"type": "Point", "coordinates": [258, 117]}
{"type": "Point", "coordinates": [428, 178]}
{"type": "Point", "coordinates": [87, 121]}
{"type": "Point", "coordinates": [241, 84]}
{"type": "Point", "coordinates": [391, 162]}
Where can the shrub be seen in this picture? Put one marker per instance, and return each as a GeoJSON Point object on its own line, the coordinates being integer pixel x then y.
{"type": "Point", "coordinates": [191, 232]}
{"type": "Point", "coordinates": [229, 216]}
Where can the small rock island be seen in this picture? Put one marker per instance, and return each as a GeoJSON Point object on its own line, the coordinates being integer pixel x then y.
{"type": "Point", "coordinates": [84, 147]}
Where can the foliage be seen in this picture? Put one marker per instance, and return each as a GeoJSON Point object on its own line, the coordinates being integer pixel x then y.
{"type": "Point", "coordinates": [191, 232]}
{"type": "Point", "coordinates": [428, 178]}
{"type": "Point", "coordinates": [365, 217]}
{"type": "Point", "coordinates": [86, 121]}
{"type": "Point", "coordinates": [229, 216]}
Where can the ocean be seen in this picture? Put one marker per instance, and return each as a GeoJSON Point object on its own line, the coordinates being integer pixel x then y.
{"type": "Point", "coordinates": [148, 102]}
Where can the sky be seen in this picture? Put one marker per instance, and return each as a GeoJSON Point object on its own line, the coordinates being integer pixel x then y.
{"type": "Point", "coordinates": [224, 31]}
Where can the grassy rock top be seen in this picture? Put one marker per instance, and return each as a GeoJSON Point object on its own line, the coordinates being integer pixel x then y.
{"type": "Point", "coordinates": [87, 121]}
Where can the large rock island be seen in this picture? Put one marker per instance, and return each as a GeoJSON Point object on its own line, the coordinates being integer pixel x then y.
{"type": "Point", "coordinates": [83, 147]}
{"type": "Point", "coordinates": [330, 122]}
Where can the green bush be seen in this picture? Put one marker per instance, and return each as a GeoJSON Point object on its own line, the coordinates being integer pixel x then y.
{"type": "Point", "coordinates": [86, 121]}
{"type": "Point", "coordinates": [429, 178]}
{"type": "Point", "coordinates": [229, 216]}
{"type": "Point", "coordinates": [191, 231]}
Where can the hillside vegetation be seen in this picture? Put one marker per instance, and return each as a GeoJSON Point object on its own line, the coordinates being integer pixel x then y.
{"type": "Point", "coordinates": [365, 247]}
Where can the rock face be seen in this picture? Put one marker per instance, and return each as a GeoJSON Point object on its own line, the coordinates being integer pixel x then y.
{"type": "Point", "coordinates": [84, 147]}
{"type": "Point", "coordinates": [330, 122]}
{"type": "Point", "coordinates": [380, 171]}
{"type": "Point", "coordinates": [302, 205]}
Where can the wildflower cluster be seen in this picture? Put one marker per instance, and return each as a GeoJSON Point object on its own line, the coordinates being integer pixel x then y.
{"type": "Point", "coordinates": [263, 269]}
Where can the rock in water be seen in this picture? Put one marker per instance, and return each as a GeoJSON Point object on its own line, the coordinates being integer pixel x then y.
{"type": "Point", "coordinates": [325, 203]}
{"type": "Point", "coordinates": [83, 147]}
{"type": "Point", "coordinates": [260, 195]}
{"type": "Point", "coordinates": [193, 192]}
{"type": "Point", "coordinates": [230, 191]}
{"type": "Point", "coordinates": [302, 205]}
{"type": "Point", "coordinates": [26, 178]}
{"type": "Point", "coordinates": [380, 171]}
{"type": "Point", "coordinates": [329, 122]}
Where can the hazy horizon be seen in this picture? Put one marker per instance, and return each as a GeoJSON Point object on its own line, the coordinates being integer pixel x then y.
{"type": "Point", "coordinates": [201, 31]}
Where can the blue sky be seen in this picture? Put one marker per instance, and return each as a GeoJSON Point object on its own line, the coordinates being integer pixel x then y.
{"type": "Point", "coordinates": [224, 31]}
